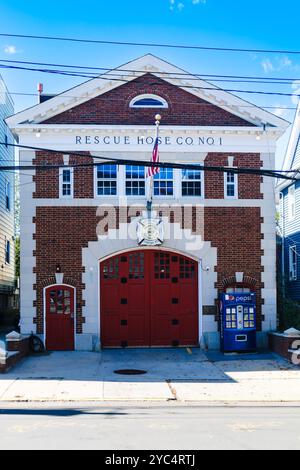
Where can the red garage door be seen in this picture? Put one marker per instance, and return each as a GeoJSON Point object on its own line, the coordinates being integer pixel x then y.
{"type": "Point", "coordinates": [149, 298]}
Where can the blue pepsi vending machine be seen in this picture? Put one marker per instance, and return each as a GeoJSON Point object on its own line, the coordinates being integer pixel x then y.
{"type": "Point", "coordinates": [238, 322]}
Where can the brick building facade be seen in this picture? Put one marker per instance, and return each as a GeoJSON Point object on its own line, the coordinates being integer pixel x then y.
{"type": "Point", "coordinates": [85, 279]}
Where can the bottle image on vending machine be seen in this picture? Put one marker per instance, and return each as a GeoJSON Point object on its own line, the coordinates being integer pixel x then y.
{"type": "Point", "coordinates": [238, 322]}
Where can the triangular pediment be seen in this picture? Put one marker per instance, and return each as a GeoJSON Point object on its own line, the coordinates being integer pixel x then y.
{"type": "Point", "coordinates": [131, 72]}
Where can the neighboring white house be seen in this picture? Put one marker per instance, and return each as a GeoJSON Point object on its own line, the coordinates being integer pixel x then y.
{"type": "Point", "coordinates": [7, 224]}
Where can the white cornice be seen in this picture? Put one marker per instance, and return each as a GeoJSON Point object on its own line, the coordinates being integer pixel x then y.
{"type": "Point", "coordinates": [138, 67]}
{"type": "Point", "coordinates": [271, 133]}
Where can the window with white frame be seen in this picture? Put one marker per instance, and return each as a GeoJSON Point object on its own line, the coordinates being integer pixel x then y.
{"type": "Point", "coordinates": [291, 202]}
{"type": "Point", "coordinates": [106, 180]}
{"type": "Point", "coordinates": [230, 185]}
{"type": "Point", "coordinates": [66, 182]}
{"type": "Point", "coordinates": [163, 184]}
{"type": "Point", "coordinates": [148, 101]}
{"type": "Point", "coordinates": [135, 180]}
{"type": "Point", "coordinates": [7, 195]}
{"type": "Point", "coordinates": [191, 184]}
{"type": "Point", "coordinates": [7, 251]}
{"type": "Point", "coordinates": [292, 263]}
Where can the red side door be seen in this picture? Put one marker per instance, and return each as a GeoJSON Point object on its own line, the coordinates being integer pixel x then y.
{"type": "Point", "coordinates": [60, 318]}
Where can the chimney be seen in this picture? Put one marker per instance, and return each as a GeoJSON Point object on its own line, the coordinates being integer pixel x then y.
{"type": "Point", "coordinates": [40, 91]}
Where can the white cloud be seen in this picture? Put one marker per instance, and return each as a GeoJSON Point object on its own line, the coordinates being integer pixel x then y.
{"type": "Point", "coordinates": [267, 66]}
{"type": "Point", "coordinates": [278, 64]}
{"type": "Point", "coordinates": [179, 5]}
{"type": "Point", "coordinates": [10, 49]}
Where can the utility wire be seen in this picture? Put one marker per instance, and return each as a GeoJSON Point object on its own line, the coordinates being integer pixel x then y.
{"type": "Point", "coordinates": [250, 171]}
{"type": "Point", "coordinates": [91, 77]}
{"type": "Point", "coordinates": [178, 75]}
{"type": "Point", "coordinates": [173, 46]}
{"type": "Point", "coordinates": [54, 95]}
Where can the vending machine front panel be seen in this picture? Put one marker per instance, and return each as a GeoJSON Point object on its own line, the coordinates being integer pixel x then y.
{"type": "Point", "coordinates": [238, 322]}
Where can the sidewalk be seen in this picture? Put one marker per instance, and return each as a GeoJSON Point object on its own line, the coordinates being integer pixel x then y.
{"type": "Point", "coordinates": [181, 374]}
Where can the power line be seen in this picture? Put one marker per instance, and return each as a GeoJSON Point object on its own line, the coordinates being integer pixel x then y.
{"type": "Point", "coordinates": [58, 72]}
{"type": "Point", "coordinates": [179, 75]}
{"type": "Point", "coordinates": [53, 95]}
{"type": "Point", "coordinates": [250, 171]}
{"type": "Point", "coordinates": [173, 46]}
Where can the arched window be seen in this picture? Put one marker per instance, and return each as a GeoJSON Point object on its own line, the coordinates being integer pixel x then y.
{"type": "Point", "coordinates": [148, 101]}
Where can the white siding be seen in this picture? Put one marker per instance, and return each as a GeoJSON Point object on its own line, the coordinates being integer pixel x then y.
{"type": "Point", "coordinates": [7, 271]}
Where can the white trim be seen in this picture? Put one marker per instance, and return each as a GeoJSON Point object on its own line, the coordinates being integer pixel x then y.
{"type": "Point", "coordinates": [235, 185]}
{"type": "Point", "coordinates": [43, 128]}
{"type": "Point", "coordinates": [150, 96]}
{"type": "Point", "coordinates": [117, 179]}
{"type": "Point", "coordinates": [293, 274]}
{"type": "Point", "coordinates": [123, 179]}
{"type": "Point", "coordinates": [61, 195]}
{"type": "Point", "coordinates": [133, 200]}
{"type": "Point", "coordinates": [291, 148]}
{"type": "Point", "coordinates": [202, 181]}
{"type": "Point", "coordinates": [291, 200]}
{"type": "Point", "coordinates": [200, 302]}
{"type": "Point", "coordinates": [8, 192]}
{"type": "Point", "coordinates": [44, 310]}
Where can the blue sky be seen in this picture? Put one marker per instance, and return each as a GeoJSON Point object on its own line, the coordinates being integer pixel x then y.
{"type": "Point", "coordinates": [255, 24]}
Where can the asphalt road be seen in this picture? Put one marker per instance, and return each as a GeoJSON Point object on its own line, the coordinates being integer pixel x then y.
{"type": "Point", "coordinates": [152, 426]}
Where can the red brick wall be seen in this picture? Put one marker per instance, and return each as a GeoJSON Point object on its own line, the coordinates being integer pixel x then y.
{"type": "Point", "coordinates": [112, 108]}
{"type": "Point", "coordinates": [47, 182]}
{"type": "Point", "coordinates": [62, 232]}
{"type": "Point", "coordinates": [236, 233]}
{"type": "Point", "coordinates": [248, 185]}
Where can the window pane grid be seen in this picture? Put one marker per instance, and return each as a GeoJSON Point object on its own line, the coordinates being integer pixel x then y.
{"type": "Point", "coordinates": [230, 184]}
{"type": "Point", "coordinates": [66, 184]}
{"type": "Point", "coordinates": [191, 183]}
{"type": "Point", "coordinates": [107, 180]}
{"type": "Point", "coordinates": [163, 182]}
{"type": "Point", "coordinates": [135, 180]}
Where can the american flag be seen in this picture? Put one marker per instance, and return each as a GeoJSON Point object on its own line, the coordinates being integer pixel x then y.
{"type": "Point", "coordinates": [153, 170]}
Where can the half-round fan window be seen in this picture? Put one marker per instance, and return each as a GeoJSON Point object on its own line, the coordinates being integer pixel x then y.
{"type": "Point", "coordinates": [148, 101]}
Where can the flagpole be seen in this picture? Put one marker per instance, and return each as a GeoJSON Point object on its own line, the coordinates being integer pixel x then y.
{"type": "Point", "coordinates": [151, 183]}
